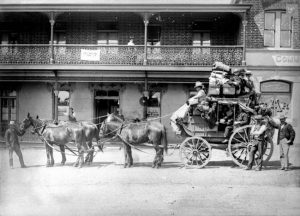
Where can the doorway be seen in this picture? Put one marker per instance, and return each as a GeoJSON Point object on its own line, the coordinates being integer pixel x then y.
{"type": "Point", "coordinates": [106, 101]}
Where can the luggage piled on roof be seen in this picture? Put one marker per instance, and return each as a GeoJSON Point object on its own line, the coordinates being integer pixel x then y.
{"type": "Point", "coordinates": [223, 81]}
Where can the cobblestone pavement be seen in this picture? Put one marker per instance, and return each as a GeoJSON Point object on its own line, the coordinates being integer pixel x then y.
{"type": "Point", "coordinates": [106, 188]}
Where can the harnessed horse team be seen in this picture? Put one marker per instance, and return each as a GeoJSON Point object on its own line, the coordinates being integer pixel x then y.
{"type": "Point", "coordinates": [83, 133]}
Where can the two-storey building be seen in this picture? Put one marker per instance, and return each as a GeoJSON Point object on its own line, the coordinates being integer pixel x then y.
{"type": "Point", "coordinates": [105, 56]}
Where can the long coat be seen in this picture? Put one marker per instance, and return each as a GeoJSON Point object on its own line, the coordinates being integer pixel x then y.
{"type": "Point", "coordinates": [11, 136]}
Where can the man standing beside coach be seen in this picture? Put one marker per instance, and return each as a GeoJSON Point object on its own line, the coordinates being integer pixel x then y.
{"type": "Point", "coordinates": [286, 136]}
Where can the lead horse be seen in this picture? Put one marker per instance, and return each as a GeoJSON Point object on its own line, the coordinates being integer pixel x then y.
{"type": "Point", "coordinates": [132, 134]}
{"type": "Point", "coordinates": [60, 135]}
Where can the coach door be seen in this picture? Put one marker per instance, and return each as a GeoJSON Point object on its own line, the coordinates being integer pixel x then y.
{"type": "Point", "coordinates": [106, 101]}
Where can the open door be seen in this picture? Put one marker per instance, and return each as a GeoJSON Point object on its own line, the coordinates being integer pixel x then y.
{"type": "Point", "coordinates": [105, 102]}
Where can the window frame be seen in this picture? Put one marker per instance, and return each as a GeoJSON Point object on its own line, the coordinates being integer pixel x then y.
{"type": "Point", "coordinates": [107, 31]}
{"type": "Point", "coordinates": [277, 37]}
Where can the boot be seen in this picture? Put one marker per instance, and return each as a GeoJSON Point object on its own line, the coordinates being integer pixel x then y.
{"type": "Point", "coordinates": [22, 162]}
{"type": "Point", "coordinates": [11, 164]}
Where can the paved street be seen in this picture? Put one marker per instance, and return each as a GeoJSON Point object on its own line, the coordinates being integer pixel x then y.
{"type": "Point", "coordinates": [106, 188]}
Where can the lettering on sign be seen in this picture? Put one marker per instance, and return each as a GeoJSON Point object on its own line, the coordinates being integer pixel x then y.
{"type": "Point", "coordinates": [90, 55]}
{"type": "Point", "coordinates": [286, 60]}
{"type": "Point", "coordinates": [153, 112]}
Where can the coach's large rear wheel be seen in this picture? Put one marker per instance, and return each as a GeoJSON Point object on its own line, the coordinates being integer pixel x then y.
{"type": "Point", "coordinates": [238, 147]}
{"type": "Point", "coordinates": [195, 152]}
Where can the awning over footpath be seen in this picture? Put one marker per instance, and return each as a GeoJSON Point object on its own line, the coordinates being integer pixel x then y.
{"type": "Point", "coordinates": [124, 6]}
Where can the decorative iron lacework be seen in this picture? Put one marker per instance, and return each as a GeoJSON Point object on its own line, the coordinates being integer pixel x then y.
{"type": "Point", "coordinates": [122, 55]}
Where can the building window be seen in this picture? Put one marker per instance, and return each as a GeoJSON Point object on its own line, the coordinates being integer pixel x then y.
{"type": "Point", "coordinates": [8, 109]}
{"type": "Point", "coordinates": [154, 33]}
{"type": "Point", "coordinates": [8, 100]}
{"type": "Point", "coordinates": [107, 33]}
{"type": "Point", "coordinates": [59, 34]}
{"type": "Point", "coordinates": [201, 33]}
{"type": "Point", "coordinates": [278, 29]}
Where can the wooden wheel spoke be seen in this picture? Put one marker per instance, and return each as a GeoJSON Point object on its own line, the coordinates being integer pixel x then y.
{"type": "Point", "coordinates": [241, 136]}
{"type": "Point", "coordinates": [246, 135]}
{"type": "Point", "coordinates": [239, 141]}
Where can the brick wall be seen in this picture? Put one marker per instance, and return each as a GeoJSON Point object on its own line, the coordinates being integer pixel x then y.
{"type": "Point", "coordinates": [255, 17]}
{"type": "Point", "coordinates": [176, 27]}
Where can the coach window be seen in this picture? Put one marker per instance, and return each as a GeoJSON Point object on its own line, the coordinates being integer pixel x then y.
{"type": "Point", "coordinates": [154, 105]}
{"type": "Point", "coordinates": [63, 105]}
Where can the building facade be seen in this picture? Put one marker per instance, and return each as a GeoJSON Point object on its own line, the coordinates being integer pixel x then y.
{"type": "Point", "coordinates": [99, 57]}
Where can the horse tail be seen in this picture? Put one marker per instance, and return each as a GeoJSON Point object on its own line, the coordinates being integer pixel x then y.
{"type": "Point", "coordinates": [164, 140]}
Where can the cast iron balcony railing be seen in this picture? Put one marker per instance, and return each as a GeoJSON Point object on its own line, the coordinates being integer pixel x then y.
{"type": "Point", "coordinates": [121, 55]}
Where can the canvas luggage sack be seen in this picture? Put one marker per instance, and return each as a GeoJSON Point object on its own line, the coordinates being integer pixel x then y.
{"type": "Point", "coordinates": [228, 89]}
{"type": "Point", "coordinates": [221, 67]}
{"type": "Point", "coordinates": [214, 90]}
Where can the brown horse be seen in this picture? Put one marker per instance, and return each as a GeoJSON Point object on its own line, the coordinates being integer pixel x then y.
{"type": "Point", "coordinates": [59, 135]}
{"type": "Point", "coordinates": [132, 134]}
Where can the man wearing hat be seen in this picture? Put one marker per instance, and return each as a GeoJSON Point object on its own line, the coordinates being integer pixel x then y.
{"type": "Point", "coordinates": [12, 142]}
{"type": "Point", "coordinates": [242, 119]}
{"type": "Point", "coordinates": [286, 136]}
{"type": "Point", "coordinates": [199, 96]}
{"type": "Point", "coordinates": [257, 143]}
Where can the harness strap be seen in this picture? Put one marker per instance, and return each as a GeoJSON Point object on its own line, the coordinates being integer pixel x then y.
{"type": "Point", "coordinates": [127, 143]}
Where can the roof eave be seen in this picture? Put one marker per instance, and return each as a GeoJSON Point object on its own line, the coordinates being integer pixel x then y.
{"type": "Point", "coordinates": [125, 8]}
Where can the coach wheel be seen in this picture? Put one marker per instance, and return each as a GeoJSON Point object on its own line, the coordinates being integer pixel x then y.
{"type": "Point", "coordinates": [195, 152]}
{"type": "Point", "coordinates": [239, 147]}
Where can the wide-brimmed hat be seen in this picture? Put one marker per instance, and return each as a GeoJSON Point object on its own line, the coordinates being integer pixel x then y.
{"type": "Point", "coordinates": [198, 84]}
{"type": "Point", "coordinates": [282, 116]}
{"type": "Point", "coordinates": [258, 117]}
{"type": "Point", "coordinates": [248, 72]}
{"type": "Point", "coordinates": [12, 122]}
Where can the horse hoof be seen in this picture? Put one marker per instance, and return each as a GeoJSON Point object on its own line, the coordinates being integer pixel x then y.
{"type": "Point", "coordinates": [75, 165]}
{"type": "Point", "coordinates": [62, 163]}
{"type": "Point", "coordinates": [47, 165]}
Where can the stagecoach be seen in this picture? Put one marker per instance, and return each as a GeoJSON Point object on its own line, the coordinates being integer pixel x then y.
{"type": "Point", "coordinates": [196, 150]}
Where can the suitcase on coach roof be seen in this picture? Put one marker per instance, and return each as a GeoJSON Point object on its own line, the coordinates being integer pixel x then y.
{"type": "Point", "coordinates": [228, 89]}
{"type": "Point", "coordinates": [219, 66]}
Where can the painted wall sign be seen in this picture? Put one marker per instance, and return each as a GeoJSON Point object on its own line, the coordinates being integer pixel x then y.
{"type": "Point", "coordinates": [275, 86]}
{"type": "Point", "coordinates": [286, 60]}
{"type": "Point", "coordinates": [90, 55]}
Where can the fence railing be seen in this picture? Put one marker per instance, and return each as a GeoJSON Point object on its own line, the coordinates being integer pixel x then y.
{"type": "Point", "coordinates": [121, 55]}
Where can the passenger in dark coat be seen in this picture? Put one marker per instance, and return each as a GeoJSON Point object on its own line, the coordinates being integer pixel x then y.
{"type": "Point", "coordinates": [242, 120]}
{"type": "Point", "coordinates": [286, 136]}
{"type": "Point", "coordinates": [12, 142]}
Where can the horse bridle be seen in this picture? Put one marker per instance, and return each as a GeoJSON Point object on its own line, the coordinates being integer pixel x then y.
{"type": "Point", "coordinates": [35, 128]}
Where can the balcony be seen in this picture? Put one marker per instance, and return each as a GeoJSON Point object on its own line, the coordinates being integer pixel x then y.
{"type": "Point", "coordinates": [121, 55]}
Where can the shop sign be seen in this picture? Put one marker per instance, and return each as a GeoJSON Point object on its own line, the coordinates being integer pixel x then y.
{"type": "Point", "coordinates": [286, 60]}
{"type": "Point", "coordinates": [90, 55]}
{"type": "Point", "coordinates": [273, 86]}
{"type": "Point", "coordinates": [153, 112]}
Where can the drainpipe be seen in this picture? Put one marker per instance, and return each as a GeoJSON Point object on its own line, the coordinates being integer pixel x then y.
{"type": "Point", "coordinates": [52, 22]}
{"type": "Point", "coordinates": [244, 22]}
{"type": "Point", "coordinates": [146, 22]}
{"type": "Point", "coordinates": [56, 97]}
